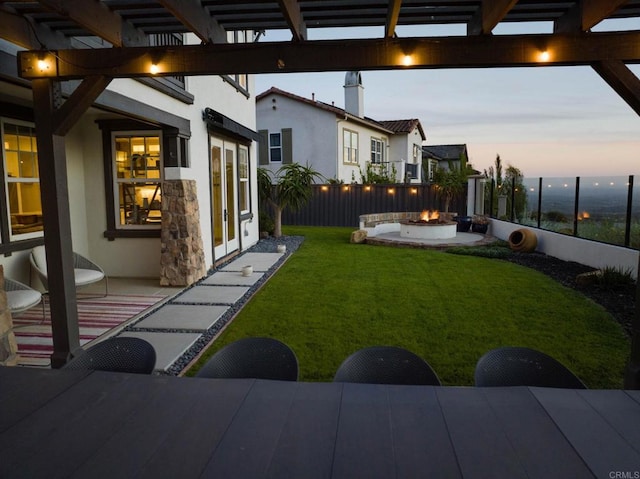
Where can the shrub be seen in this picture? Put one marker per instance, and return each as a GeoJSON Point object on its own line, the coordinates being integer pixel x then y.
{"type": "Point", "coordinates": [615, 278]}
{"type": "Point", "coordinates": [492, 251]}
{"type": "Point", "coordinates": [265, 222]}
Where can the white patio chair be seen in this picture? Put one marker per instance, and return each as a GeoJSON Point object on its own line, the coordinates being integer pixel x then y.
{"type": "Point", "coordinates": [21, 297]}
{"type": "Point", "coordinates": [85, 271]}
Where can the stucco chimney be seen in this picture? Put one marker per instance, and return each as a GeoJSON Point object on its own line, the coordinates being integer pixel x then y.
{"type": "Point", "coordinates": [354, 94]}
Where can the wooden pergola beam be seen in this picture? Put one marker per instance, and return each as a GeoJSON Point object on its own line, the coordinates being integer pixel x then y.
{"type": "Point", "coordinates": [77, 104]}
{"type": "Point", "coordinates": [191, 14]}
{"type": "Point", "coordinates": [393, 13]}
{"type": "Point", "coordinates": [293, 16]}
{"type": "Point", "coordinates": [339, 55]}
{"type": "Point", "coordinates": [490, 13]}
{"type": "Point", "coordinates": [586, 14]}
{"type": "Point", "coordinates": [21, 31]}
{"type": "Point", "coordinates": [99, 20]}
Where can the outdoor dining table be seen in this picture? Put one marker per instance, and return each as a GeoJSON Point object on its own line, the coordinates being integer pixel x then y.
{"type": "Point", "coordinates": [57, 423]}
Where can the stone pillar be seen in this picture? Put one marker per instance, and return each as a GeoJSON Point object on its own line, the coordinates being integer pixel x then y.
{"type": "Point", "coordinates": [182, 256]}
{"type": "Point", "coordinates": [8, 345]}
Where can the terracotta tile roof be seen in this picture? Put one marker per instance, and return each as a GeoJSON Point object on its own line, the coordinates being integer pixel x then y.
{"type": "Point", "coordinates": [404, 126]}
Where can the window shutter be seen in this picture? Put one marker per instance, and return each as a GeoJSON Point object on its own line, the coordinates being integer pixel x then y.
{"type": "Point", "coordinates": [287, 146]}
{"type": "Point", "coordinates": [263, 147]}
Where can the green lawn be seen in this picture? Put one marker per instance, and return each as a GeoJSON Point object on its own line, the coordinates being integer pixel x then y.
{"type": "Point", "coordinates": [332, 297]}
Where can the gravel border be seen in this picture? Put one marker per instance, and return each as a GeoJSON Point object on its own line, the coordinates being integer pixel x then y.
{"type": "Point", "coordinates": [265, 245]}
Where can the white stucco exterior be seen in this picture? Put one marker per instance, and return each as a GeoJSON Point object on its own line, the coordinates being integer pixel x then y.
{"type": "Point", "coordinates": [140, 256]}
{"type": "Point", "coordinates": [317, 134]}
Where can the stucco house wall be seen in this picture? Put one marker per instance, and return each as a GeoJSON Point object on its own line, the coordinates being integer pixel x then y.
{"type": "Point", "coordinates": [139, 256]}
{"type": "Point", "coordinates": [314, 132]}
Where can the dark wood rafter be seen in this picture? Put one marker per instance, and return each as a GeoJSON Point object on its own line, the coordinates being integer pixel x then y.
{"type": "Point", "coordinates": [77, 104]}
{"type": "Point", "coordinates": [393, 13]}
{"type": "Point", "coordinates": [329, 55]}
{"type": "Point", "coordinates": [52, 164]}
{"type": "Point", "coordinates": [585, 14]}
{"type": "Point", "coordinates": [622, 80]}
{"type": "Point", "coordinates": [23, 32]}
{"type": "Point", "coordinates": [99, 20]}
{"type": "Point", "coordinates": [490, 13]}
{"type": "Point", "coordinates": [295, 20]}
{"type": "Point", "coordinates": [191, 14]}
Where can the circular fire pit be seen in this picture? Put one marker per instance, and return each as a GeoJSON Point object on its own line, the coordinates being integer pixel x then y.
{"type": "Point", "coordinates": [429, 230]}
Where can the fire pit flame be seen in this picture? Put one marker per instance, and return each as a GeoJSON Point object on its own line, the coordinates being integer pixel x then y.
{"type": "Point", "coordinates": [429, 216]}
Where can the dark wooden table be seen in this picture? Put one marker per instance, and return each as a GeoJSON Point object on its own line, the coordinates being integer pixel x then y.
{"type": "Point", "coordinates": [97, 424]}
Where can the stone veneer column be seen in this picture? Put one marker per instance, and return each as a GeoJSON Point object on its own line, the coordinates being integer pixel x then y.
{"type": "Point", "coordinates": [8, 345]}
{"type": "Point", "coordinates": [182, 255]}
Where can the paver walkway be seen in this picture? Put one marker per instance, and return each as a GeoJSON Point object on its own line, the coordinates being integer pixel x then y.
{"type": "Point", "coordinates": [178, 324]}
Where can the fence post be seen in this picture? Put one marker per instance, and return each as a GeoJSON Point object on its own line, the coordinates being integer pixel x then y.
{"type": "Point", "coordinates": [576, 207]}
{"type": "Point", "coordinates": [627, 228]}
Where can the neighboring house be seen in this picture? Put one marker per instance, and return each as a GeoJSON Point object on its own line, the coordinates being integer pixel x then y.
{"type": "Point", "coordinates": [440, 156]}
{"type": "Point", "coordinates": [161, 171]}
{"type": "Point", "coordinates": [338, 143]}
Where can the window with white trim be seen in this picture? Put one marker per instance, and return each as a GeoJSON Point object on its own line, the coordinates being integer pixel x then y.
{"type": "Point", "coordinates": [22, 179]}
{"type": "Point", "coordinates": [349, 146]}
{"type": "Point", "coordinates": [137, 179]}
{"type": "Point", "coordinates": [377, 151]}
{"type": "Point", "coordinates": [239, 80]}
{"type": "Point", "coordinates": [275, 147]}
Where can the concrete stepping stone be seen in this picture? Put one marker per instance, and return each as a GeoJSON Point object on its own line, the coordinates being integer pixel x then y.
{"type": "Point", "coordinates": [259, 261]}
{"type": "Point", "coordinates": [211, 295]}
{"type": "Point", "coordinates": [232, 278]}
{"type": "Point", "coordinates": [184, 316]}
{"type": "Point", "coordinates": [169, 346]}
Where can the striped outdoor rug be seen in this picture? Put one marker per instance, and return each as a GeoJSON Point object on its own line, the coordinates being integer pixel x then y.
{"type": "Point", "coordinates": [95, 315]}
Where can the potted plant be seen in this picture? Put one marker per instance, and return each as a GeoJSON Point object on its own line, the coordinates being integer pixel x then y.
{"type": "Point", "coordinates": [479, 224]}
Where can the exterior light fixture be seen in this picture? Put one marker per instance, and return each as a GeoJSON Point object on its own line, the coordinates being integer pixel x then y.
{"type": "Point", "coordinates": [407, 60]}
{"type": "Point", "coordinates": [324, 188]}
{"type": "Point", "coordinates": [38, 64]}
{"type": "Point", "coordinates": [414, 191]}
{"type": "Point", "coordinates": [544, 56]}
{"type": "Point", "coordinates": [391, 191]}
{"type": "Point", "coordinates": [367, 188]}
{"type": "Point", "coordinates": [154, 69]}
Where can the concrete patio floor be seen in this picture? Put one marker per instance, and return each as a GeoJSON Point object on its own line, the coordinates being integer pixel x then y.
{"type": "Point", "coordinates": [174, 325]}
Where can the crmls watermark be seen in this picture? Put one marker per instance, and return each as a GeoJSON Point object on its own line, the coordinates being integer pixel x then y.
{"type": "Point", "coordinates": [624, 475]}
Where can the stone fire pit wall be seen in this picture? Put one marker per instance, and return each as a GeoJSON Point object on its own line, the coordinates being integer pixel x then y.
{"type": "Point", "coordinates": [378, 223]}
{"type": "Point", "coordinates": [182, 260]}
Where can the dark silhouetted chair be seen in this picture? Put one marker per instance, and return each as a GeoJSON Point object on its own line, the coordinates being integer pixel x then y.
{"type": "Point", "coordinates": [386, 365]}
{"type": "Point", "coordinates": [517, 366]}
{"type": "Point", "coordinates": [119, 354]}
{"type": "Point", "coordinates": [258, 358]}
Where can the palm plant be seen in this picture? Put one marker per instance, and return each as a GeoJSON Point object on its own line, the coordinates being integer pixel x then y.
{"type": "Point", "coordinates": [291, 189]}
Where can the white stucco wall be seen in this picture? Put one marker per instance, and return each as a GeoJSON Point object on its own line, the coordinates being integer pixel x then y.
{"type": "Point", "coordinates": [140, 257]}
{"type": "Point", "coordinates": [314, 139]}
{"type": "Point", "coordinates": [570, 248]}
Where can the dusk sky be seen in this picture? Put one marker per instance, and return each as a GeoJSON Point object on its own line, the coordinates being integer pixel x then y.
{"type": "Point", "coordinates": [551, 121]}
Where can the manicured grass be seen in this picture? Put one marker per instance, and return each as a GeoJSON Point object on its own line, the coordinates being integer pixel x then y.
{"type": "Point", "coordinates": [332, 298]}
